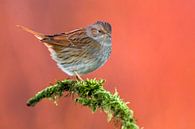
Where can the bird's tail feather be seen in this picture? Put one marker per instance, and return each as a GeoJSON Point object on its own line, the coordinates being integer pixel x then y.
{"type": "Point", "coordinates": [38, 35]}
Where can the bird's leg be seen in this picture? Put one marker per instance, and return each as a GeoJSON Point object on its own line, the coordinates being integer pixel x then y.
{"type": "Point", "coordinates": [78, 77]}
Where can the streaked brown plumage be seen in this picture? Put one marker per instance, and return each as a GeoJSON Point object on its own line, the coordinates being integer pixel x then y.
{"type": "Point", "coordinates": [79, 51]}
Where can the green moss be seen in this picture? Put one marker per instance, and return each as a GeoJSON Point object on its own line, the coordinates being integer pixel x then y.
{"type": "Point", "coordinates": [91, 93]}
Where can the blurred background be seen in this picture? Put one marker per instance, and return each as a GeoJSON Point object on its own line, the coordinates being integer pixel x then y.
{"type": "Point", "coordinates": [152, 64]}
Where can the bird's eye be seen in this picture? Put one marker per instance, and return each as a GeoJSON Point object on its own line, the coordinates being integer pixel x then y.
{"type": "Point", "coordinates": [100, 31]}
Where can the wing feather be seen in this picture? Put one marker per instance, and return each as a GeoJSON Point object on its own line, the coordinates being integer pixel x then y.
{"type": "Point", "coordinates": [74, 39]}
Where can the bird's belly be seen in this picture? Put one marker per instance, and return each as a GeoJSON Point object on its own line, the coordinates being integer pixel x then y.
{"type": "Point", "coordinates": [82, 67]}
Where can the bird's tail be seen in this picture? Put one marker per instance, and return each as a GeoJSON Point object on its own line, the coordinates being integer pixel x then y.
{"type": "Point", "coordinates": [38, 35]}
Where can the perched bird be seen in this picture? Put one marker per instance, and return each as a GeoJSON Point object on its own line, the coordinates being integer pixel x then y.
{"type": "Point", "coordinates": [80, 51]}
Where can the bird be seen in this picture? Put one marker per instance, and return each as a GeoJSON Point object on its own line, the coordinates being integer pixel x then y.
{"type": "Point", "coordinates": [80, 51]}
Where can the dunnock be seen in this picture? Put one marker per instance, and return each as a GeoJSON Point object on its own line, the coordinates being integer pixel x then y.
{"type": "Point", "coordinates": [80, 51]}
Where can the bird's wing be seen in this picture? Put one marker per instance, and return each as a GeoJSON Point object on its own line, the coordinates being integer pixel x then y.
{"type": "Point", "coordinates": [74, 39]}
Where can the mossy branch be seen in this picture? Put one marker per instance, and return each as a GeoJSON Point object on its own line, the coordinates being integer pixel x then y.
{"type": "Point", "coordinates": [91, 93]}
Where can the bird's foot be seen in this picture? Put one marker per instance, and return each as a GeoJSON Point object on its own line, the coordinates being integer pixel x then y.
{"type": "Point", "coordinates": [78, 77]}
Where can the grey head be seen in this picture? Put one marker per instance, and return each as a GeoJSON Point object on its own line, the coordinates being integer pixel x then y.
{"type": "Point", "coordinates": [100, 31]}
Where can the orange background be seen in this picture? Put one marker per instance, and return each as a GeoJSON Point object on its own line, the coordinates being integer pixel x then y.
{"type": "Point", "coordinates": [152, 64]}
